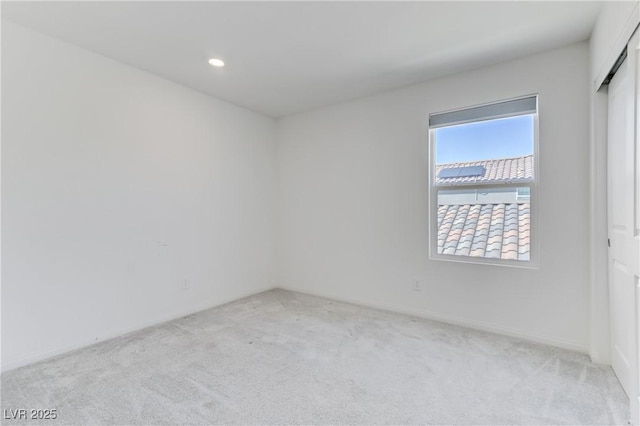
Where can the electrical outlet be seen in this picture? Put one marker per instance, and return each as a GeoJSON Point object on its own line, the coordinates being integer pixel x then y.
{"type": "Point", "coordinates": [186, 285]}
{"type": "Point", "coordinates": [417, 285]}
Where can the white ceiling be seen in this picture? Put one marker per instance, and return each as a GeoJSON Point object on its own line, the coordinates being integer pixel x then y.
{"type": "Point", "coordinates": [287, 57]}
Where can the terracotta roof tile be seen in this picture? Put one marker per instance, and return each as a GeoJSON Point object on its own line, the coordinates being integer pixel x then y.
{"type": "Point", "coordinates": [511, 169]}
{"type": "Point", "coordinates": [490, 230]}
{"type": "Point", "coordinates": [480, 230]}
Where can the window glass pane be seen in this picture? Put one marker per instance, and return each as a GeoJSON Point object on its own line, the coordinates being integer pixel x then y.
{"type": "Point", "coordinates": [482, 177]}
{"type": "Point", "coordinates": [491, 223]}
{"type": "Point", "coordinates": [524, 193]}
{"type": "Point", "coordinates": [484, 140]}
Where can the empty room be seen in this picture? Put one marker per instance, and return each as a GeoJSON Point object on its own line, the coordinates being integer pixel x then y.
{"type": "Point", "coordinates": [320, 212]}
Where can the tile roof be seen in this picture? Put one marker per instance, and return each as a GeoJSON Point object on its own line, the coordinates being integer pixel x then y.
{"type": "Point", "coordinates": [511, 169]}
{"type": "Point", "coordinates": [488, 230]}
{"type": "Point", "coordinates": [495, 231]}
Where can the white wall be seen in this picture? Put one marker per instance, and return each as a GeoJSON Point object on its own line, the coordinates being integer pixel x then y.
{"type": "Point", "coordinates": [354, 215]}
{"type": "Point", "coordinates": [102, 162]}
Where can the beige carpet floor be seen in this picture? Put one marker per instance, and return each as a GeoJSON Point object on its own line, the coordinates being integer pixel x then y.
{"type": "Point", "coordinates": [286, 358]}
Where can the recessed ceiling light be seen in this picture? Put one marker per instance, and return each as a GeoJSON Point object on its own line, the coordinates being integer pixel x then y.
{"type": "Point", "coordinates": [215, 62]}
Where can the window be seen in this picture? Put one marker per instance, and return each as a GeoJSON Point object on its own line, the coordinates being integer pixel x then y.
{"type": "Point", "coordinates": [483, 183]}
{"type": "Point", "coordinates": [523, 193]}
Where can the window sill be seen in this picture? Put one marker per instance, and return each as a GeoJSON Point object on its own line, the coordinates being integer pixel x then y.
{"type": "Point", "coordinates": [519, 264]}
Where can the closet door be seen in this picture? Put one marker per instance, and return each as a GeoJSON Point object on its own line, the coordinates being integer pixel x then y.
{"type": "Point", "coordinates": [623, 223]}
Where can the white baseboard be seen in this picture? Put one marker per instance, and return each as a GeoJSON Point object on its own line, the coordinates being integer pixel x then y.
{"type": "Point", "coordinates": [41, 356]}
{"type": "Point", "coordinates": [598, 358]}
{"type": "Point", "coordinates": [476, 325]}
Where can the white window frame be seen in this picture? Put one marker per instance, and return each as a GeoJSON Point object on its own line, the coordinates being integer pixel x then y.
{"type": "Point", "coordinates": [534, 259]}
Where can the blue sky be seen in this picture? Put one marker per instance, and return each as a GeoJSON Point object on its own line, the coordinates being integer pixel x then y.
{"type": "Point", "coordinates": [506, 137]}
